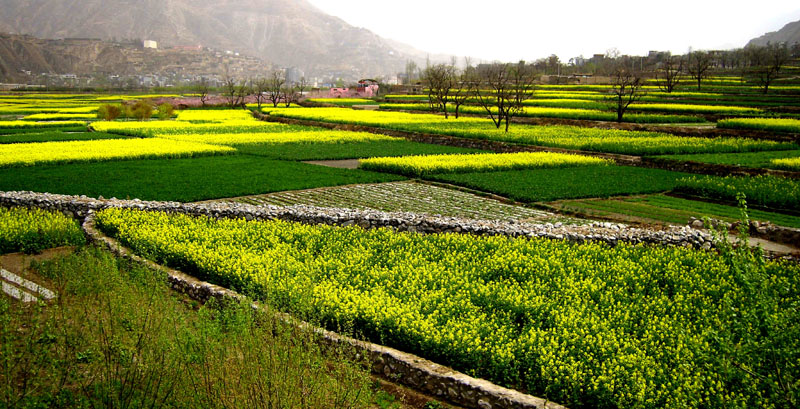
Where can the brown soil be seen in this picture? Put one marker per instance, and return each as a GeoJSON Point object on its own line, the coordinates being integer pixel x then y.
{"type": "Point", "coordinates": [19, 263]}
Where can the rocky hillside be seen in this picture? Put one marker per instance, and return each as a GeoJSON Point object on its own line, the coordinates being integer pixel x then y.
{"type": "Point", "coordinates": [285, 32]}
{"type": "Point", "coordinates": [789, 34]}
{"type": "Point", "coordinates": [20, 53]}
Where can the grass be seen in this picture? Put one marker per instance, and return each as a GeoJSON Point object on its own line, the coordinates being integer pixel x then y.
{"type": "Point", "coordinates": [747, 159]}
{"type": "Point", "coordinates": [582, 182]}
{"type": "Point", "coordinates": [59, 135]}
{"type": "Point", "coordinates": [347, 150]}
{"type": "Point", "coordinates": [117, 337]}
{"type": "Point", "coordinates": [183, 180]}
{"type": "Point", "coordinates": [671, 210]}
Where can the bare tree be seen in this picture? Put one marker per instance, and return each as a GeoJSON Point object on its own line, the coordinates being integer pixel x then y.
{"type": "Point", "coordinates": [243, 90]}
{"type": "Point", "coordinates": [289, 94]}
{"type": "Point", "coordinates": [465, 89]}
{"type": "Point", "coordinates": [698, 63]}
{"type": "Point", "coordinates": [507, 87]}
{"type": "Point", "coordinates": [668, 76]}
{"type": "Point", "coordinates": [441, 80]}
{"type": "Point", "coordinates": [202, 89]}
{"type": "Point", "coordinates": [260, 88]}
{"type": "Point", "coordinates": [766, 63]}
{"type": "Point", "coordinates": [411, 69]}
{"type": "Point", "coordinates": [275, 83]}
{"type": "Point", "coordinates": [626, 88]}
{"type": "Point", "coordinates": [301, 86]}
{"type": "Point", "coordinates": [229, 89]}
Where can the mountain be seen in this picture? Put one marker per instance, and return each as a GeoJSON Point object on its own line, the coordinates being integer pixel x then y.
{"type": "Point", "coordinates": [284, 32]}
{"type": "Point", "coordinates": [22, 56]}
{"type": "Point", "coordinates": [789, 34]}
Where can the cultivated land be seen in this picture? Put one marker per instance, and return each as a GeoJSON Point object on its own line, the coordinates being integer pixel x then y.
{"type": "Point", "coordinates": [583, 324]}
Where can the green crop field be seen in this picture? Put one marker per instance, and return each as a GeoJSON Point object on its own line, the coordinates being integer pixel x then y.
{"type": "Point", "coordinates": [748, 159]}
{"type": "Point", "coordinates": [582, 324]}
{"type": "Point", "coordinates": [667, 209]}
{"type": "Point", "coordinates": [569, 183]}
{"type": "Point", "coordinates": [183, 180]}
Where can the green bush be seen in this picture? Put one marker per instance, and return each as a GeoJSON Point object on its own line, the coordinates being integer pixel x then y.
{"type": "Point", "coordinates": [165, 111]}
{"type": "Point", "coordinates": [109, 112]}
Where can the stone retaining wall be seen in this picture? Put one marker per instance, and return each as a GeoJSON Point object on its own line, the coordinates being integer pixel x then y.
{"type": "Point", "coordinates": [611, 233]}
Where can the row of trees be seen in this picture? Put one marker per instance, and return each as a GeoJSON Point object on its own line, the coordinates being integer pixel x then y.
{"type": "Point", "coordinates": [273, 89]}
{"type": "Point", "coordinates": [760, 65]}
{"type": "Point", "coordinates": [499, 88]}
{"type": "Point", "coordinates": [502, 89]}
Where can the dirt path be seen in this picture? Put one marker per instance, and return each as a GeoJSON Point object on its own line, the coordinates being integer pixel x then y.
{"type": "Point", "coordinates": [341, 164]}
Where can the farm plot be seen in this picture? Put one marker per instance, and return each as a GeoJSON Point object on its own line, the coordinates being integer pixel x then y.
{"type": "Point", "coordinates": [748, 159]}
{"type": "Point", "coordinates": [183, 180]}
{"type": "Point", "coordinates": [556, 112]}
{"type": "Point", "coordinates": [406, 197]}
{"type": "Point", "coordinates": [762, 124]}
{"type": "Point", "coordinates": [33, 230]}
{"type": "Point", "coordinates": [667, 209]}
{"type": "Point", "coordinates": [569, 183]}
{"type": "Point", "coordinates": [487, 162]}
{"type": "Point", "coordinates": [570, 137]}
{"type": "Point", "coordinates": [29, 154]}
{"type": "Point", "coordinates": [763, 190]}
{"type": "Point", "coordinates": [56, 135]}
{"type": "Point", "coordinates": [10, 125]}
{"type": "Point", "coordinates": [581, 324]}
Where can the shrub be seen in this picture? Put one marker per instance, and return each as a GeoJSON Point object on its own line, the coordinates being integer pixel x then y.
{"type": "Point", "coordinates": [142, 110]}
{"type": "Point", "coordinates": [165, 111]}
{"type": "Point", "coordinates": [109, 112]}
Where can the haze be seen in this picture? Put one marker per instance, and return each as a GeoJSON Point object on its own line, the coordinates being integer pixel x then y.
{"type": "Point", "coordinates": [532, 30]}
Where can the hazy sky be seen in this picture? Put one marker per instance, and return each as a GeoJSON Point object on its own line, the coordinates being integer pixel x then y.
{"type": "Point", "coordinates": [517, 29]}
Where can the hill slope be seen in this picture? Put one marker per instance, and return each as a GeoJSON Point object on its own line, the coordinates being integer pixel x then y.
{"type": "Point", "coordinates": [789, 34]}
{"type": "Point", "coordinates": [285, 32]}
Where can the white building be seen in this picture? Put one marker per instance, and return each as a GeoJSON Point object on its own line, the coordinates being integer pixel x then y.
{"type": "Point", "coordinates": [150, 44]}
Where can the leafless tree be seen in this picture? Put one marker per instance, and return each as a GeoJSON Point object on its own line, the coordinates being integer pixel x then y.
{"type": "Point", "coordinates": [766, 63]}
{"type": "Point", "coordinates": [626, 88]}
{"type": "Point", "coordinates": [465, 89]}
{"type": "Point", "coordinates": [260, 87]}
{"type": "Point", "coordinates": [229, 88]}
{"type": "Point", "coordinates": [289, 94]}
{"type": "Point", "coordinates": [502, 90]}
{"type": "Point", "coordinates": [275, 83]}
{"type": "Point", "coordinates": [441, 80]}
{"type": "Point", "coordinates": [202, 89]}
{"type": "Point", "coordinates": [668, 76]}
{"type": "Point", "coordinates": [411, 69]}
{"type": "Point", "coordinates": [301, 86]}
{"type": "Point", "coordinates": [698, 64]}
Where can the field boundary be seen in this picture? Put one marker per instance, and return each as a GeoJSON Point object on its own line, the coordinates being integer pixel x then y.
{"type": "Point", "coordinates": [408, 369]}
{"type": "Point", "coordinates": [79, 207]}
{"type": "Point", "coordinates": [652, 162]}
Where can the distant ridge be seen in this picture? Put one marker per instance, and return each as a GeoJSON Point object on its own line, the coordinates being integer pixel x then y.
{"type": "Point", "coordinates": [283, 32]}
{"type": "Point", "coordinates": [789, 34]}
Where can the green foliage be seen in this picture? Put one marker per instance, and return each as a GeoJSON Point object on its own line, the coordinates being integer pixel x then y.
{"type": "Point", "coordinates": [554, 184]}
{"type": "Point", "coordinates": [763, 190]}
{"type": "Point", "coordinates": [141, 110]}
{"type": "Point", "coordinates": [34, 230]}
{"type": "Point", "coordinates": [586, 325]}
{"type": "Point", "coordinates": [184, 180]}
{"type": "Point", "coordinates": [118, 338]}
{"type": "Point", "coordinates": [165, 111]}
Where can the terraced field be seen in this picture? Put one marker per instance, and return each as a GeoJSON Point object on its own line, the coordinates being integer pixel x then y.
{"type": "Point", "coordinates": [405, 197]}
